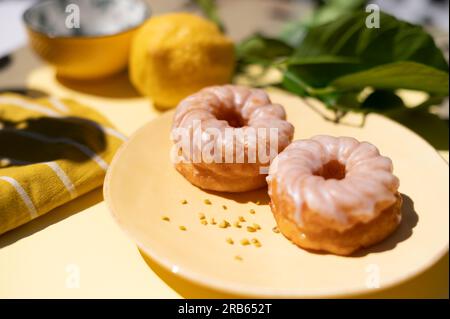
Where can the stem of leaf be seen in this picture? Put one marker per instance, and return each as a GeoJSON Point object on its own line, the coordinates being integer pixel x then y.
{"type": "Point", "coordinates": [315, 93]}
{"type": "Point", "coordinates": [338, 115]}
{"type": "Point", "coordinates": [324, 116]}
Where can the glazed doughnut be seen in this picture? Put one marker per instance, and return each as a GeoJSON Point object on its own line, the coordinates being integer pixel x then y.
{"type": "Point", "coordinates": [334, 194]}
{"type": "Point", "coordinates": [247, 124]}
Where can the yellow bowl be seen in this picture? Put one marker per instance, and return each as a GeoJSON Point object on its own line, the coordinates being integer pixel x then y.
{"type": "Point", "coordinates": [85, 39]}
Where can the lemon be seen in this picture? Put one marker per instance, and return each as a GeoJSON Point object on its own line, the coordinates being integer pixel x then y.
{"type": "Point", "coordinates": [175, 55]}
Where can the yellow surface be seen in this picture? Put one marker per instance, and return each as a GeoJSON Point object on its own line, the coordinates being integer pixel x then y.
{"type": "Point", "coordinates": [38, 259]}
{"type": "Point", "coordinates": [204, 255]}
{"type": "Point", "coordinates": [177, 54]}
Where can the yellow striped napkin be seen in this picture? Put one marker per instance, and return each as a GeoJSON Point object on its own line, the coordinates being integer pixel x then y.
{"type": "Point", "coordinates": [51, 151]}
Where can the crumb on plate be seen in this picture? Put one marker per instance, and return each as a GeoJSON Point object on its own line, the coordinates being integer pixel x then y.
{"type": "Point", "coordinates": [251, 229]}
{"type": "Point", "coordinates": [256, 242]}
{"type": "Point", "coordinates": [224, 224]}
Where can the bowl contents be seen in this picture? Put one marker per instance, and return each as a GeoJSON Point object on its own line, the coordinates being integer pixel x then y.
{"type": "Point", "coordinates": [97, 18]}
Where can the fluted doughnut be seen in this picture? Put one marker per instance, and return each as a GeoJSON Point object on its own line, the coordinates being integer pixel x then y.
{"type": "Point", "coordinates": [242, 112]}
{"type": "Point", "coordinates": [334, 194]}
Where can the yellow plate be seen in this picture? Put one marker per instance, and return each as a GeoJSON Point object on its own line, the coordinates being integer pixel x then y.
{"type": "Point", "coordinates": [142, 186]}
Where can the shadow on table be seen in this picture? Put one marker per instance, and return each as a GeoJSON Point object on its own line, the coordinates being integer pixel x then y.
{"type": "Point", "coordinates": [402, 233]}
{"type": "Point", "coordinates": [409, 220]}
{"type": "Point", "coordinates": [56, 215]}
{"type": "Point", "coordinates": [115, 86]}
{"type": "Point", "coordinates": [18, 139]}
{"type": "Point", "coordinates": [427, 125]}
{"type": "Point", "coordinates": [24, 91]}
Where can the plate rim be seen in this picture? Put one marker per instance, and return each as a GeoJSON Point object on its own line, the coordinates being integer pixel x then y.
{"type": "Point", "coordinates": [235, 288]}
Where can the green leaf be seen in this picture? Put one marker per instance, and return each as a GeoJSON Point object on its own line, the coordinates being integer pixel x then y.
{"type": "Point", "coordinates": [261, 49]}
{"type": "Point", "coordinates": [349, 101]}
{"type": "Point", "coordinates": [319, 71]}
{"type": "Point", "coordinates": [334, 9]}
{"type": "Point", "coordinates": [335, 61]}
{"type": "Point", "coordinates": [407, 75]}
{"type": "Point", "coordinates": [293, 32]}
{"type": "Point", "coordinates": [293, 83]}
{"type": "Point", "coordinates": [394, 41]}
{"type": "Point", "coordinates": [322, 59]}
{"type": "Point", "coordinates": [321, 75]}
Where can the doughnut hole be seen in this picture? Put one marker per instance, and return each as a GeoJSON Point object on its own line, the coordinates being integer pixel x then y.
{"type": "Point", "coordinates": [332, 170]}
{"type": "Point", "coordinates": [233, 118]}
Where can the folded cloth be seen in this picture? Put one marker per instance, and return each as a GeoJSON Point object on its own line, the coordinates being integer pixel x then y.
{"type": "Point", "coordinates": [51, 151]}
